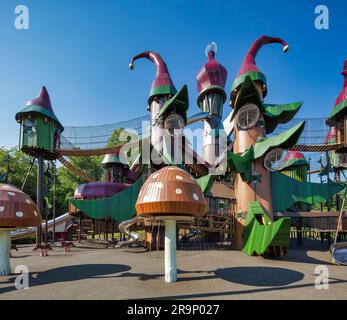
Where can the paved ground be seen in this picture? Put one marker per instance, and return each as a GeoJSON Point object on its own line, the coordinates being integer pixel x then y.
{"type": "Point", "coordinates": [117, 274]}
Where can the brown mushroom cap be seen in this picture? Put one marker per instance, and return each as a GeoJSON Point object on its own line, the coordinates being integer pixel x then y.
{"type": "Point", "coordinates": [171, 192]}
{"type": "Point", "coordinates": [17, 210]}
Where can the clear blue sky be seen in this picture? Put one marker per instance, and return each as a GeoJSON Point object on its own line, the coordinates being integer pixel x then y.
{"type": "Point", "coordinates": [81, 50]}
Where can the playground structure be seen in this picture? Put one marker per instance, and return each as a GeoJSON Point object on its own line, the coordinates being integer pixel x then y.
{"type": "Point", "coordinates": [263, 146]}
{"type": "Point", "coordinates": [40, 132]}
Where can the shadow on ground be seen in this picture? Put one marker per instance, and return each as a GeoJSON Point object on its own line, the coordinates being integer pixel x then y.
{"type": "Point", "coordinates": [250, 276]}
{"type": "Point", "coordinates": [260, 279]}
{"type": "Point", "coordinates": [67, 274]}
{"type": "Point", "coordinates": [260, 276]}
{"type": "Point", "coordinates": [299, 256]}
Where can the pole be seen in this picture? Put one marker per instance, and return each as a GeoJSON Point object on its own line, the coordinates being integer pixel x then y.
{"type": "Point", "coordinates": [39, 196]}
{"type": "Point", "coordinates": [28, 173]}
{"type": "Point", "coordinates": [170, 251]}
{"type": "Point", "coordinates": [54, 186]}
{"type": "Point", "coordinates": [328, 177]}
{"type": "Point", "coordinates": [338, 196]}
{"type": "Point", "coordinates": [46, 226]}
{"type": "Point", "coordinates": [321, 179]}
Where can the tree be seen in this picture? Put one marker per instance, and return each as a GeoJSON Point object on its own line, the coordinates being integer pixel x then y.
{"type": "Point", "coordinates": [115, 140]}
{"type": "Point", "coordinates": [15, 164]}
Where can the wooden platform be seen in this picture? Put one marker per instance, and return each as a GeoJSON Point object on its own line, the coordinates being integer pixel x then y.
{"type": "Point", "coordinates": [317, 221]}
{"type": "Point", "coordinates": [312, 214]}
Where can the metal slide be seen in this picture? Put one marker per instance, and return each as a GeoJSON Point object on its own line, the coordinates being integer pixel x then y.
{"type": "Point", "coordinates": [19, 234]}
{"type": "Point", "coordinates": [124, 228]}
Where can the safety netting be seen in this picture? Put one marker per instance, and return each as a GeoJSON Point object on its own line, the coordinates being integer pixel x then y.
{"type": "Point", "coordinates": [314, 133]}
{"type": "Point", "coordinates": [93, 137]}
{"type": "Point", "coordinates": [98, 137]}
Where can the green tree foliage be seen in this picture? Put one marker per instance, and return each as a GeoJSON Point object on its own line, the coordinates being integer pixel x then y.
{"type": "Point", "coordinates": [14, 165]}
{"type": "Point", "coordinates": [114, 140]}
{"type": "Point", "coordinates": [121, 136]}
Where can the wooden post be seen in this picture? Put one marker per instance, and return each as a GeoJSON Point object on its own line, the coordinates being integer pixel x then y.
{"type": "Point", "coordinates": [338, 197]}
{"type": "Point", "coordinates": [54, 202]}
{"type": "Point", "coordinates": [39, 196]}
{"type": "Point", "coordinates": [299, 233]}
{"type": "Point", "coordinates": [113, 229]}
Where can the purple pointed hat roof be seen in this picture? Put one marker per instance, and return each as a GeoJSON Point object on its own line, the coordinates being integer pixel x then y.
{"type": "Point", "coordinates": [212, 74]}
{"type": "Point", "coordinates": [343, 94]}
{"type": "Point", "coordinates": [249, 64]}
{"type": "Point", "coordinates": [42, 105]}
{"type": "Point", "coordinates": [43, 100]}
{"type": "Point", "coordinates": [162, 83]}
{"type": "Point", "coordinates": [340, 105]}
{"type": "Point", "coordinates": [249, 67]}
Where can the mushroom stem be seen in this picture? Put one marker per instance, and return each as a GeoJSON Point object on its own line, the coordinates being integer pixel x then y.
{"type": "Point", "coordinates": [5, 249]}
{"type": "Point", "coordinates": [170, 251]}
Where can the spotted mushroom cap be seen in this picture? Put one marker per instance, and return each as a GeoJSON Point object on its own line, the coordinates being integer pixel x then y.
{"type": "Point", "coordinates": [171, 191]}
{"type": "Point", "coordinates": [17, 210]}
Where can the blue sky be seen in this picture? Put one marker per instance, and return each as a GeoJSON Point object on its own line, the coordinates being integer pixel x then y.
{"type": "Point", "coordinates": [81, 50]}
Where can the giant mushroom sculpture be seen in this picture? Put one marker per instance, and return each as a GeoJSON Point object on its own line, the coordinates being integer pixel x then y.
{"type": "Point", "coordinates": [171, 194]}
{"type": "Point", "coordinates": [17, 210]}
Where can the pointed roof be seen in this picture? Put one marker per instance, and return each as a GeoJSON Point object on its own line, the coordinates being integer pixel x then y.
{"type": "Point", "coordinates": [341, 101]}
{"type": "Point", "coordinates": [212, 75]}
{"type": "Point", "coordinates": [162, 83]}
{"type": "Point", "coordinates": [43, 100]}
{"type": "Point", "coordinates": [42, 105]}
{"type": "Point", "coordinates": [249, 67]}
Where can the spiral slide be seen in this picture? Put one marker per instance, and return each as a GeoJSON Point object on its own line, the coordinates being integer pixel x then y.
{"type": "Point", "coordinates": [19, 234]}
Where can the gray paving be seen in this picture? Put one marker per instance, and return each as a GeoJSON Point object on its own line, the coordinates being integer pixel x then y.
{"type": "Point", "coordinates": [117, 274]}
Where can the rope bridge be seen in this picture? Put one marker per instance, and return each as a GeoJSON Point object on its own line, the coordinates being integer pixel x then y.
{"type": "Point", "coordinates": [94, 140]}
{"type": "Point", "coordinates": [98, 137]}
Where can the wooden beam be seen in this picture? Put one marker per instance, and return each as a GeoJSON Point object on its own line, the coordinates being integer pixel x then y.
{"type": "Point", "coordinates": [328, 214]}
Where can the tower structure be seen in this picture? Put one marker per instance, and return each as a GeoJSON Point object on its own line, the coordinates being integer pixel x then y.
{"type": "Point", "coordinates": [40, 132]}
{"type": "Point", "coordinates": [210, 84]}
